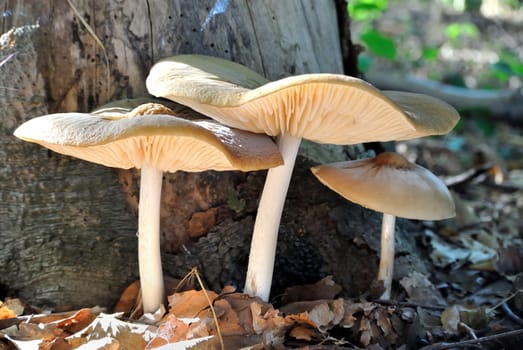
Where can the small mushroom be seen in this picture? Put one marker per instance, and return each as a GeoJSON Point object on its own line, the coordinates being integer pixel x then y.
{"type": "Point", "coordinates": [325, 108]}
{"type": "Point", "coordinates": [390, 184]}
{"type": "Point", "coordinates": [152, 139]}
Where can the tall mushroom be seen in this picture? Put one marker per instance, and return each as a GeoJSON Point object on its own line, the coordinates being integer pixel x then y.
{"type": "Point", "coordinates": [390, 184]}
{"type": "Point", "coordinates": [152, 139]}
{"type": "Point", "coordinates": [325, 108]}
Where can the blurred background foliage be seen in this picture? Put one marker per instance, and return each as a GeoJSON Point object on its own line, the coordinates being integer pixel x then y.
{"type": "Point", "coordinates": [468, 43]}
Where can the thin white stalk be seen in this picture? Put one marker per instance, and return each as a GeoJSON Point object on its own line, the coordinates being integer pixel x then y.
{"type": "Point", "coordinates": [149, 259]}
{"type": "Point", "coordinates": [265, 234]}
{"type": "Point", "coordinates": [386, 268]}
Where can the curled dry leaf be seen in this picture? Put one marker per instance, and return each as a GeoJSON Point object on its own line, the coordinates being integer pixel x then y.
{"type": "Point", "coordinates": [172, 330]}
{"type": "Point", "coordinates": [326, 288]}
{"type": "Point", "coordinates": [373, 323]}
{"type": "Point", "coordinates": [13, 304]}
{"type": "Point", "coordinates": [421, 291]}
{"type": "Point", "coordinates": [129, 336]}
{"type": "Point", "coordinates": [6, 312]}
{"type": "Point", "coordinates": [455, 316]}
{"type": "Point", "coordinates": [190, 303]}
{"type": "Point", "coordinates": [128, 299]}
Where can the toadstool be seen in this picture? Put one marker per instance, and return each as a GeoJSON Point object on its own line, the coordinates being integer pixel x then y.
{"type": "Point", "coordinates": [152, 139]}
{"type": "Point", "coordinates": [390, 184]}
{"type": "Point", "coordinates": [325, 108]}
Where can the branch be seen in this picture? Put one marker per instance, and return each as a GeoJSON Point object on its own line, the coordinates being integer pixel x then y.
{"type": "Point", "coordinates": [506, 104]}
{"type": "Point", "coordinates": [472, 342]}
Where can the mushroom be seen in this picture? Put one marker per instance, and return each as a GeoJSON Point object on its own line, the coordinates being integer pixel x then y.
{"type": "Point", "coordinates": [390, 184]}
{"type": "Point", "coordinates": [152, 139]}
{"type": "Point", "coordinates": [325, 108]}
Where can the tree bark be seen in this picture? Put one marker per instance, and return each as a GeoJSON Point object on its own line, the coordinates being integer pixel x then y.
{"type": "Point", "coordinates": [68, 227]}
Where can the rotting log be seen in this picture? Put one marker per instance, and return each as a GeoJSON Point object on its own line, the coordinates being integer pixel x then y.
{"type": "Point", "coordinates": [67, 227]}
{"type": "Point", "coordinates": [504, 104]}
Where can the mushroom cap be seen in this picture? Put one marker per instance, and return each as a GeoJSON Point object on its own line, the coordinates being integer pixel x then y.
{"type": "Point", "coordinates": [325, 108]}
{"type": "Point", "coordinates": [148, 105]}
{"type": "Point", "coordinates": [161, 140]}
{"type": "Point", "coordinates": [390, 184]}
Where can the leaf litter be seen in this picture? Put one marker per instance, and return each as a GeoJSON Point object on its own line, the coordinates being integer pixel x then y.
{"type": "Point", "coordinates": [471, 296]}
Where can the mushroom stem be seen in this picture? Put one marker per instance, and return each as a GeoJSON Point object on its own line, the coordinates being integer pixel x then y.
{"type": "Point", "coordinates": [149, 259]}
{"type": "Point", "coordinates": [265, 234]}
{"type": "Point", "coordinates": [386, 267]}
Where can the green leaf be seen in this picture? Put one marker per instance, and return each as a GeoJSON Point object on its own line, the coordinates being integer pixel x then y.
{"type": "Point", "coordinates": [364, 63]}
{"type": "Point", "coordinates": [379, 44]}
{"type": "Point", "coordinates": [455, 31]}
{"type": "Point", "coordinates": [430, 53]}
{"type": "Point", "coordinates": [365, 10]}
{"type": "Point", "coordinates": [501, 68]}
{"type": "Point", "coordinates": [510, 62]}
{"type": "Point", "coordinates": [486, 125]}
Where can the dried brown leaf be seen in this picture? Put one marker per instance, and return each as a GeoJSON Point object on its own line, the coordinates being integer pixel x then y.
{"type": "Point", "coordinates": [327, 314]}
{"type": "Point", "coordinates": [240, 303]}
{"type": "Point", "coordinates": [365, 331]}
{"type": "Point", "coordinates": [128, 299]}
{"type": "Point", "coordinates": [14, 304]}
{"type": "Point", "coordinates": [190, 303]}
{"type": "Point", "coordinates": [31, 331]}
{"type": "Point", "coordinates": [383, 321]}
{"type": "Point", "coordinates": [450, 319]}
{"type": "Point", "coordinates": [302, 333]}
{"type": "Point", "coordinates": [323, 289]}
{"type": "Point", "coordinates": [130, 335]}
{"type": "Point", "coordinates": [351, 309]}
{"type": "Point", "coordinates": [78, 321]}
{"type": "Point", "coordinates": [421, 290]}
{"type": "Point", "coordinates": [170, 331]}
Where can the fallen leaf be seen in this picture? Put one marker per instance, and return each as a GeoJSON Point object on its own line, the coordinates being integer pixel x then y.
{"type": "Point", "coordinates": [131, 336]}
{"type": "Point", "coordinates": [190, 303]}
{"type": "Point", "coordinates": [327, 314]}
{"type": "Point", "coordinates": [421, 291]}
{"type": "Point", "coordinates": [301, 333]}
{"type": "Point", "coordinates": [14, 304]}
{"type": "Point", "coordinates": [326, 288]}
{"type": "Point", "coordinates": [172, 330]}
{"type": "Point", "coordinates": [6, 312]}
{"type": "Point", "coordinates": [128, 299]}
{"type": "Point", "coordinates": [78, 321]}
{"type": "Point", "coordinates": [450, 319]}
{"type": "Point", "coordinates": [365, 331]}
{"type": "Point", "coordinates": [229, 321]}
{"type": "Point", "coordinates": [240, 303]}
{"type": "Point", "coordinates": [383, 321]}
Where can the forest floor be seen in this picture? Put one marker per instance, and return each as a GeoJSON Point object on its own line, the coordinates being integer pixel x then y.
{"type": "Point", "coordinates": [472, 297]}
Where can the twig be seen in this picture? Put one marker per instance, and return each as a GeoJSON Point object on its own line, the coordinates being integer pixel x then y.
{"type": "Point", "coordinates": [194, 273]}
{"type": "Point", "coordinates": [506, 104]}
{"type": "Point", "coordinates": [211, 306]}
{"type": "Point", "coordinates": [473, 342]}
{"type": "Point", "coordinates": [469, 330]}
{"type": "Point", "coordinates": [407, 304]}
{"type": "Point", "coordinates": [510, 314]}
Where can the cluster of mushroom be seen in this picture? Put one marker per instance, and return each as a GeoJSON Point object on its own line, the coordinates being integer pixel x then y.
{"type": "Point", "coordinates": [325, 108]}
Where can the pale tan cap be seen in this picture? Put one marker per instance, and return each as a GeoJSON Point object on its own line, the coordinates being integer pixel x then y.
{"type": "Point", "coordinates": [161, 140]}
{"type": "Point", "coordinates": [325, 108]}
{"type": "Point", "coordinates": [390, 184]}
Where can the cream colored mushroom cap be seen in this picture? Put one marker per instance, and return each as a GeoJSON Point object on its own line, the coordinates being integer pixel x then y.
{"type": "Point", "coordinates": [162, 141]}
{"type": "Point", "coordinates": [325, 108]}
{"type": "Point", "coordinates": [389, 184]}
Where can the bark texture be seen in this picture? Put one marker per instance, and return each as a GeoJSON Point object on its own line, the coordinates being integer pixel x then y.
{"type": "Point", "coordinates": [67, 227]}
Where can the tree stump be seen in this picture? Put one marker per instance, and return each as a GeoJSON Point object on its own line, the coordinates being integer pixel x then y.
{"type": "Point", "coordinates": [67, 224]}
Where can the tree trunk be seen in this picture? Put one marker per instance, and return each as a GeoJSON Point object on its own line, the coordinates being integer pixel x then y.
{"type": "Point", "coordinates": [67, 224]}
